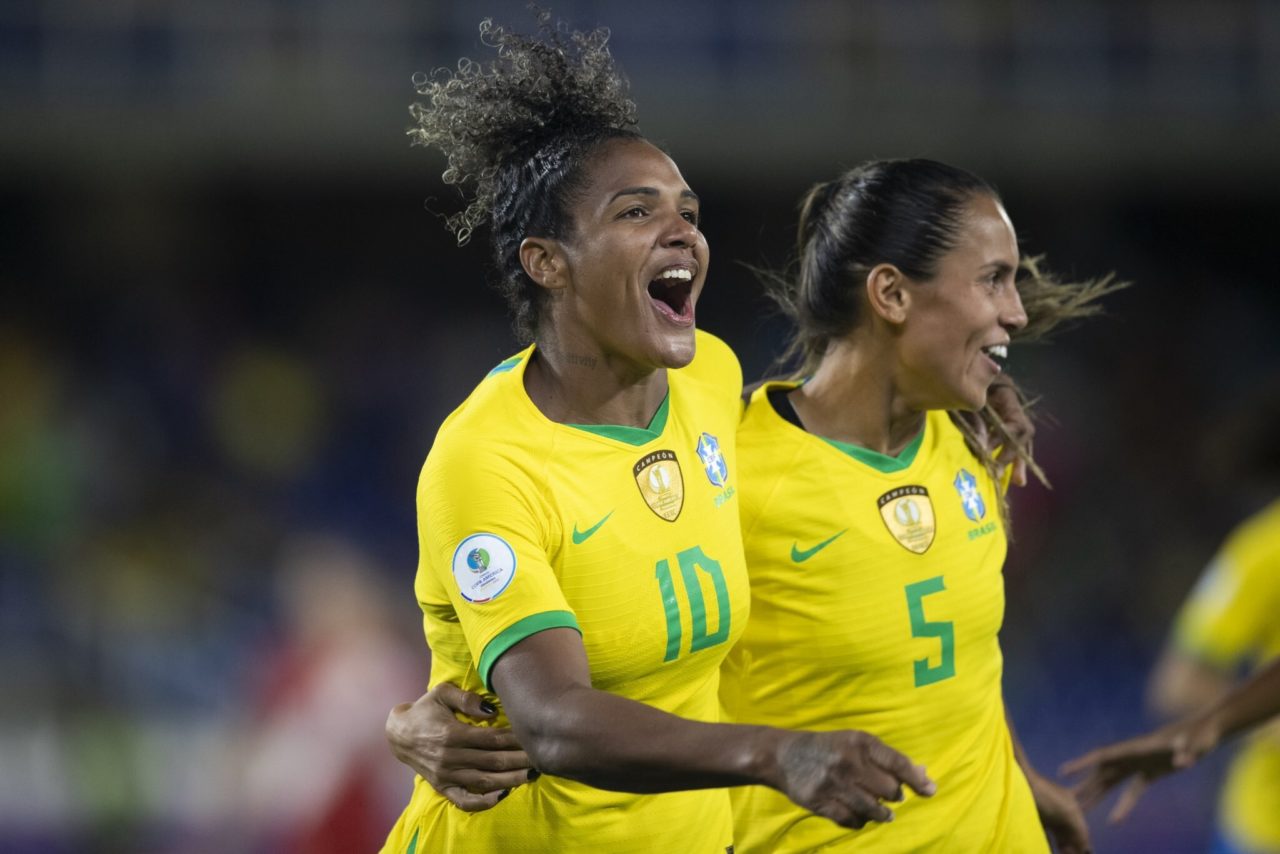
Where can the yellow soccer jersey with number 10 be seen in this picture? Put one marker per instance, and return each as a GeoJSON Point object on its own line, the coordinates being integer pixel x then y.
{"type": "Point", "coordinates": [1231, 620]}
{"type": "Point", "coordinates": [628, 535]}
{"type": "Point", "coordinates": [877, 595]}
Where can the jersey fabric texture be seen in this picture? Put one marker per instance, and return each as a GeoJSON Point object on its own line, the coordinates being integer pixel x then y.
{"type": "Point", "coordinates": [629, 536]}
{"type": "Point", "coordinates": [877, 595]}
{"type": "Point", "coordinates": [1229, 622]}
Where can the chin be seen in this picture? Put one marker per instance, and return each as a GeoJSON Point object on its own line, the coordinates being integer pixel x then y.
{"type": "Point", "coordinates": [678, 354]}
{"type": "Point", "coordinates": [965, 400]}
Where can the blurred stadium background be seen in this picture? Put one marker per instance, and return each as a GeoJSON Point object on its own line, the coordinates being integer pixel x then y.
{"type": "Point", "coordinates": [230, 327]}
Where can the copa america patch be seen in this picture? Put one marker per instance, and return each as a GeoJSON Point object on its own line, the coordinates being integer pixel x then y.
{"type": "Point", "coordinates": [483, 566]}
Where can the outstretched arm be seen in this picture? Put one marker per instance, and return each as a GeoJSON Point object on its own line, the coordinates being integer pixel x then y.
{"type": "Point", "coordinates": [613, 743]}
{"type": "Point", "coordinates": [572, 730]}
{"type": "Point", "coordinates": [1146, 758]}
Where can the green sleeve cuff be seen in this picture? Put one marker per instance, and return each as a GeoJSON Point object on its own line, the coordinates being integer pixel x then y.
{"type": "Point", "coordinates": [518, 631]}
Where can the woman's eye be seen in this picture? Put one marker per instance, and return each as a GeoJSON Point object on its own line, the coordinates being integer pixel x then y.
{"type": "Point", "coordinates": [691, 216]}
{"type": "Point", "coordinates": [635, 212]}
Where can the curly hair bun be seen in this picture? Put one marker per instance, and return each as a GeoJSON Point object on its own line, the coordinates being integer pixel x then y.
{"type": "Point", "coordinates": [539, 90]}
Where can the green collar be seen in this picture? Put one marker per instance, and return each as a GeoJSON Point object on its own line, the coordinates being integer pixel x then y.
{"type": "Point", "coordinates": [632, 435]}
{"type": "Point", "coordinates": [878, 461]}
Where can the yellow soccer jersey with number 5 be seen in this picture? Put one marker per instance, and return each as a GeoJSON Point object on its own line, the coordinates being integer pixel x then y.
{"type": "Point", "coordinates": [628, 535]}
{"type": "Point", "coordinates": [877, 596]}
{"type": "Point", "coordinates": [1231, 621]}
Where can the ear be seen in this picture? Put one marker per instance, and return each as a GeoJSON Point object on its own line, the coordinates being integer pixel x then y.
{"type": "Point", "coordinates": [887, 293]}
{"type": "Point", "coordinates": [544, 262]}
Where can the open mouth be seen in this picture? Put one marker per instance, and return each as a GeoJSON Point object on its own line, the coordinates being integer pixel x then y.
{"type": "Point", "coordinates": [671, 291]}
{"type": "Point", "coordinates": [997, 353]}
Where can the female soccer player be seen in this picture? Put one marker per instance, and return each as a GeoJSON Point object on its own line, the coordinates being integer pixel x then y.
{"type": "Point", "coordinates": [580, 553]}
{"type": "Point", "coordinates": [874, 535]}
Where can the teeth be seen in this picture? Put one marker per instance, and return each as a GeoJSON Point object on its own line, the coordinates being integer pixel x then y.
{"type": "Point", "coordinates": [676, 273]}
{"type": "Point", "coordinates": [1000, 351]}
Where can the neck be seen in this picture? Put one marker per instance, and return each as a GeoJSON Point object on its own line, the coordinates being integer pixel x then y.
{"type": "Point", "coordinates": [573, 382]}
{"type": "Point", "coordinates": [854, 396]}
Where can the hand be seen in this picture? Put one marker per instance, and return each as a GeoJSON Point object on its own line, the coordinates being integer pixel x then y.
{"type": "Point", "coordinates": [1018, 431]}
{"type": "Point", "coordinates": [474, 767]}
{"type": "Point", "coordinates": [1061, 815]}
{"type": "Point", "coordinates": [1144, 759]}
{"type": "Point", "coordinates": [844, 775]}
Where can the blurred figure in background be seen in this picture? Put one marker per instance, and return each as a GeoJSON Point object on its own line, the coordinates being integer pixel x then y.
{"type": "Point", "coordinates": [1177, 746]}
{"type": "Point", "coordinates": [1228, 625]}
{"type": "Point", "coordinates": [315, 777]}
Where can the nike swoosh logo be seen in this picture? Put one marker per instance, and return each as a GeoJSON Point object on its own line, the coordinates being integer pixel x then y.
{"type": "Point", "coordinates": [580, 537]}
{"type": "Point", "coordinates": [801, 556]}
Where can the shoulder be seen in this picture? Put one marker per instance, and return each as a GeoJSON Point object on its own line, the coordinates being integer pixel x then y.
{"type": "Point", "coordinates": [494, 431]}
{"type": "Point", "coordinates": [1254, 545]}
{"type": "Point", "coordinates": [715, 362]}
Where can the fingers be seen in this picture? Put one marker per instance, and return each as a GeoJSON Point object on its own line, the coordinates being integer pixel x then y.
{"type": "Point", "coordinates": [856, 809]}
{"type": "Point", "coordinates": [455, 699]}
{"type": "Point", "coordinates": [1080, 763]}
{"type": "Point", "coordinates": [467, 737]}
{"type": "Point", "coordinates": [1019, 477]}
{"type": "Point", "coordinates": [902, 768]}
{"type": "Point", "coordinates": [1090, 791]}
{"type": "Point", "coordinates": [481, 782]}
{"type": "Point", "coordinates": [1128, 800]}
{"type": "Point", "coordinates": [471, 802]}
{"type": "Point", "coordinates": [491, 761]}
{"type": "Point", "coordinates": [1182, 754]}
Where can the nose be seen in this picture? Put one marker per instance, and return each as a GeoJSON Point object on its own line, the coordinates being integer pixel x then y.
{"type": "Point", "coordinates": [1013, 315]}
{"type": "Point", "coordinates": [680, 232]}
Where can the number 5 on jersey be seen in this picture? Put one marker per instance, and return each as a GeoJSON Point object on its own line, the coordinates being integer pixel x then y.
{"type": "Point", "coordinates": [944, 631]}
{"type": "Point", "coordinates": [691, 562]}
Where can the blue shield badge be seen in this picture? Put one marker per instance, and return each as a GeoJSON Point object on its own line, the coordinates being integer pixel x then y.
{"type": "Point", "coordinates": [970, 498]}
{"type": "Point", "coordinates": [712, 460]}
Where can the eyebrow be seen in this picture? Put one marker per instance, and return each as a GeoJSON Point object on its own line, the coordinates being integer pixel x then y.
{"type": "Point", "coordinates": [650, 191]}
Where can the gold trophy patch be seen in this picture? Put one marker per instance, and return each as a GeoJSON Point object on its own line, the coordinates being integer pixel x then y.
{"type": "Point", "coordinates": [908, 514]}
{"type": "Point", "coordinates": [661, 484]}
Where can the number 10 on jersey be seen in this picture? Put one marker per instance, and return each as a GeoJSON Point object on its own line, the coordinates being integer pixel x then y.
{"type": "Point", "coordinates": [691, 562]}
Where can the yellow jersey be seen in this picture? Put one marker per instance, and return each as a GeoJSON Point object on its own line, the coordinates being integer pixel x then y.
{"type": "Point", "coordinates": [629, 536]}
{"type": "Point", "coordinates": [877, 595]}
{"type": "Point", "coordinates": [1230, 621]}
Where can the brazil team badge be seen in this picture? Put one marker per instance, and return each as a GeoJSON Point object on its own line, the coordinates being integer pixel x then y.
{"type": "Point", "coordinates": [712, 460]}
{"type": "Point", "coordinates": [908, 514]}
{"type": "Point", "coordinates": [970, 498]}
{"type": "Point", "coordinates": [661, 484]}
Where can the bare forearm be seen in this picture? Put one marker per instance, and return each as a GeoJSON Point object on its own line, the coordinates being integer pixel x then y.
{"type": "Point", "coordinates": [614, 743]}
{"type": "Point", "coordinates": [570, 729]}
{"type": "Point", "coordinates": [1249, 704]}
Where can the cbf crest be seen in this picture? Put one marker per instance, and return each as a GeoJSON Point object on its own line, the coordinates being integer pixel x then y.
{"type": "Point", "coordinates": [970, 497]}
{"type": "Point", "coordinates": [661, 484]}
{"type": "Point", "coordinates": [908, 514]}
{"type": "Point", "coordinates": [712, 460]}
